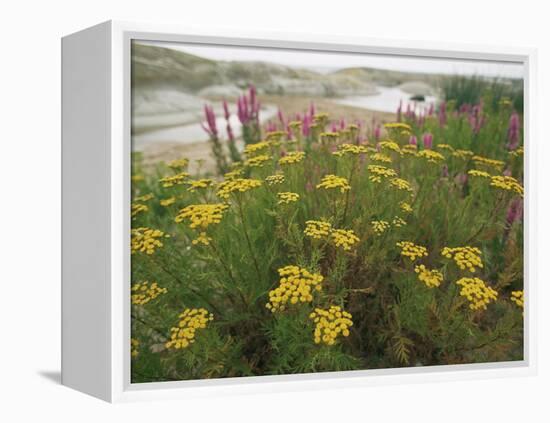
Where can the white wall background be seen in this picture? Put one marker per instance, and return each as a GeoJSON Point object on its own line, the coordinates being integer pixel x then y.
{"type": "Point", "coordinates": [30, 207]}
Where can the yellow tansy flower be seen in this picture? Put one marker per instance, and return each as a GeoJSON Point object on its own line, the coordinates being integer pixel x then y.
{"type": "Point", "coordinates": [477, 292]}
{"type": "Point", "coordinates": [330, 324]}
{"type": "Point", "coordinates": [191, 320]}
{"type": "Point", "coordinates": [334, 182]}
{"type": "Point", "coordinates": [295, 285]}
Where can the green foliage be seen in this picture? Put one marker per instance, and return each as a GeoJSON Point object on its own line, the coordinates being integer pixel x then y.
{"type": "Point", "coordinates": [472, 89]}
{"type": "Point", "coordinates": [230, 265]}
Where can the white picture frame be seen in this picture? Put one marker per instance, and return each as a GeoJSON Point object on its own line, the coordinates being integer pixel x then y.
{"type": "Point", "coordinates": [96, 226]}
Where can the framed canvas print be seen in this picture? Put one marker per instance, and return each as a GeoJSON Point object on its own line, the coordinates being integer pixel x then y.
{"type": "Point", "coordinates": [247, 212]}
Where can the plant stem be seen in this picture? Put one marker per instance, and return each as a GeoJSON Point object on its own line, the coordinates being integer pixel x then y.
{"type": "Point", "coordinates": [245, 231]}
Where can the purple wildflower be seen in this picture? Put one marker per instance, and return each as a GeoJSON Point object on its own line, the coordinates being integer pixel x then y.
{"type": "Point", "coordinates": [210, 126]}
{"type": "Point", "coordinates": [513, 132]}
{"type": "Point", "coordinates": [515, 211]}
{"type": "Point", "coordinates": [427, 140]}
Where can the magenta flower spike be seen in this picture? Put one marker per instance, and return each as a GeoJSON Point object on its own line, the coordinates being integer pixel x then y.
{"type": "Point", "coordinates": [513, 131]}
{"type": "Point", "coordinates": [377, 132]}
{"type": "Point", "coordinates": [431, 109]}
{"type": "Point", "coordinates": [306, 125]}
{"type": "Point", "coordinates": [311, 109]}
{"type": "Point", "coordinates": [515, 211]}
{"type": "Point", "coordinates": [413, 140]}
{"type": "Point", "coordinates": [427, 140]}
{"type": "Point", "coordinates": [210, 126]}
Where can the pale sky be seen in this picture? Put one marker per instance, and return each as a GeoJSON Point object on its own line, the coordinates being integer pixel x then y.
{"type": "Point", "coordinates": [328, 61]}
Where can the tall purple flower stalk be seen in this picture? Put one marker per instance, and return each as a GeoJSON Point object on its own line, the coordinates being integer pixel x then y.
{"type": "Point", "coordinates": [377, 132]}
{"type": "Point", "coordinates": [513, 132]}
{"type": "Point", "coordinates": [515, 211]}
{"type": "Point", "coordinates": [476, 118]}
{"type": "Point", "coordinates": [413, 140]}
{"type": "Point", "coordinates": [307, 120]}
{"type": "Point", "coordinates": [210, 126]}
{"type": "Point", "coordinates": [427, 141]}
{"type": "Point", "coordinates": [212, 131]}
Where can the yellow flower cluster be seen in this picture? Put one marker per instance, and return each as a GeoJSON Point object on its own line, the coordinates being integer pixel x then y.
{"type": "Point", "coordinates": [379, 226]}
{"type": "Point", "coordinates": [233, 174]}
{"type": "Point", "coordinates": [398, 125]}
{"type": "Point", "coordinates": [295, 124]}
{"type": "Point", "coordinates": [144, 198]}
{"type": "Point", "coordinates": [333, 181]}
{"type": "Point", "coordinates": [317, 229]}
{"type": "Point", "coordinates": [517, 298]}
{"type": "Point", "coordinates": [225, 188]}
{"type": "Point", "coordinates": [484, 161]}
{"type": "Point", "coordinates": [409, 149]}
{"type": "Point", "coordinates": [507, 183]}
{"type": "Point", "coordinates": [464, 257]}
{"type": "Point", "coordinates": [276, 179]}
{"type": "Point", "coordinates": [253, 149]}
{"type": "Point", "coordinates": [446, 147]}
{"type": "Point", "coordinates": [170, 181]}
{"type": "Point", "coordinates": [463, 154]}
{"type": "Point", "coordinates": [167, 201]}
{"type": "Point", "coordinates": [401, 184]}
{"type": "Point", "coordinates": [202, 215]}
{"type": "Point", "coordinates": [349, 149]}
{"type": "Point", "coordinates": [389, 145]}
{"type": "Point", "coordinates": [138, 208]}
{"type": "Point", "coordinates": [344, 238]}
{"type": "Point", "coordinates": [146, 240]}
{"type": "Point", "coordinates": [479, 173]}
{"type": "Point", "coordinates": [406, 207]}
{"type": "Point", "coordinates": [329, 324]}
{"type": "Point", "coordinates": [398, 222]}
{"type": "Point", "coordinates": [329, 137]}
{"type": "Point", "coordinates": [296, 284]}
{"type": "Point", "coordinates": [411, 250]}
{"type": "Point", "coordinates": [287, 197]}
{"type": "Point", "coordinates": [379, 157]}
{"type": "Point", "coordinates": [431, 278]}
{"type": "Point", "coordinates": [134, 347]}
{"type": "Point", "coordinates": [184, 333]}
{"type": "Point", "coordinates": [379, 172]}
{"type": "Point", "coordinates": [143, 292]}
{"type": "Point", "coordinates": [137, 178]}
{"type": "Point", "coordinates": [257, 161]}
{"type": "Point", "coordinates": [275, 135]}
{"type": "Point", "coordinates": [477, 293]}
{"type": "Point", "coordinates": [517, 152]}
{"type": "Point", "coordinates": [431, 156]}
{"type": "Point", "coordinates": [292, 158]}
{"type": "Point", "coordinates": [178, 164]}
{"type": "Point", "coordinates": [199, 184]}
